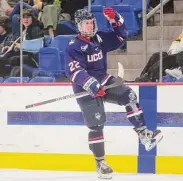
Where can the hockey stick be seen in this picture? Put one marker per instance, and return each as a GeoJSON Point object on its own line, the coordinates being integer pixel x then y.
{"type": "Point", "coordinates": [84, 93]}
{"type": "Point", "coordinates": [11, 47]}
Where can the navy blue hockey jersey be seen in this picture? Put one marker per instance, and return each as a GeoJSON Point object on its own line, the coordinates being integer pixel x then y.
{"type": "Point", "coordinates": [88, 57]}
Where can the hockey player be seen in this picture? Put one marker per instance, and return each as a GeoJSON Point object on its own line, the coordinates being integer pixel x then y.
{"type": "Point", "coordinates": [86, 66]}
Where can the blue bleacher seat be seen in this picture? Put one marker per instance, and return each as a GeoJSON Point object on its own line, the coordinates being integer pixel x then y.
{"type": "Point", "coordinates": [47, 40]}
{"type": "Point", "coordinates": [179, 80]}
{"type": "Point", "coordinates": [1, 79]}
{"type": "Point", "coordinates": [102, 22]}
{"type": "Point", "coordinates": [61, 41]}
{"type": "Point", "coordinates": [42, 79]}
{"type": "Point", "coordinates": [112, 2]}
{"type": "Point", "coordinates": [33, 46]}
{"type": "Point", "coordinates": [106, 2]}
{"type": "Point", "coordinates": [137, 7]}
{"type": "Point", "coordinates": [97, 10]}
{"type": "Point", "coordinates": [99, 2]}
{"type": "Point", "coordinates": [30, 71]}
{"type": "Point", "coordinates": [135, 4]}
{"type": "Point", "coordinates": [168, 78]}
{"type": "Point", "coordinates": [51, 59]}
{"type": "Point", "coordinates": [131, 20]}
{"type": "Point", "coordinates": [49, 62]}
{"type": "Point", "coordinates": [119, 1]}
{"type": "Point", "coordinates": [16, 80]}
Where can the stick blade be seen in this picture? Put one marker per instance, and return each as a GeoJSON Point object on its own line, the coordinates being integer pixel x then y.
{"type": "Point", "coordinates": [120, 70]}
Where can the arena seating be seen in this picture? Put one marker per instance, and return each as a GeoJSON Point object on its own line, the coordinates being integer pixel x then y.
{"type": "Point", "coordinates": [179, 80]}
{"type": "Point", "coordinates": [132, 22]}
{"type": "Point", "coordinates": [136, 5]}
{"type": "Point", "coordinates": [61, 41]}
{"type": "Point", "coordinates": [42, 79]}
{"type": "Point", "coordinates": [27, 79]}
{"type": "Point", "coordinates": [102, 22]}
{"type": "Point", "coordinates": [58, 46]}
{"type": "Point", "coordinates": [16, 80]}
{"type": "Point", "coordinates": [129, 9]}
{"type": "Point", "coordinates": [50, 62]}
{"type": "Point", "coordinates": [33, 45]}
{"type": "Point", "coordinates": [51, 59]}
{"type": "Point", "coordinates": [106, 2]}
{"type": "Point", "coordinates": [1, 79]}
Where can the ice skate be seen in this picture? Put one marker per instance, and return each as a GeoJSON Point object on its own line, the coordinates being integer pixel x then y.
{"type": "Point", "coordinates": [103, 170]}
{"type": "Point", "coordinates": [149, 138]}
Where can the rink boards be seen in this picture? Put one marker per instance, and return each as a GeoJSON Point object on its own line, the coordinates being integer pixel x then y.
{"type": "Point", "coordinates": [53, 136]}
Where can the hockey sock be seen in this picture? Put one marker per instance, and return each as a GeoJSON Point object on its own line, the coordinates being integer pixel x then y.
{"type": "Point", "coordinates": [133, 109]}
{"type": "Point", "coordinates": [96, 143]}
{"type": "Point", "coordinates": [135, 114]}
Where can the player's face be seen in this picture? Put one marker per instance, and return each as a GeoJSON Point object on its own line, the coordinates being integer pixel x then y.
{"type": "Point", "coordinates": [88, 26]}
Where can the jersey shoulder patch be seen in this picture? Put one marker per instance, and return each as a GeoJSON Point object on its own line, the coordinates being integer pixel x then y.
{"type": "Point", "coordinates": [73, 44]}
{"type": "Point", "coordinates": [99, 39]}
{"type": "Point", "coordinates": [72, 41]}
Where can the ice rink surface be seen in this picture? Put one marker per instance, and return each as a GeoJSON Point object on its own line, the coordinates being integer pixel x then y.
{"type": "Point", "coordinates": [28, 175]}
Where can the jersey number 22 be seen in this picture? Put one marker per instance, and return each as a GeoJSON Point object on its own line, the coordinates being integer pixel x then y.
{"type": "Point", "coordinates": [74, 65]}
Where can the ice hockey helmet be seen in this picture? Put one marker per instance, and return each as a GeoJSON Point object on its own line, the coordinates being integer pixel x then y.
{"type": "Point", "coordinates": [82, 15]}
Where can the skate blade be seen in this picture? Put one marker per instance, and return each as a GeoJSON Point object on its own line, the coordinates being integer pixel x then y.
{"type": "Point", "coordinates": [150, 146]}
{"type": "Point", "coordinates": [105, 176]}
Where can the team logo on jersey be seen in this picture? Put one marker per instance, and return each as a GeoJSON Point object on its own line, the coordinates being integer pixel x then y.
{"type": "Point", "coordinates": [99, 39]}
{"type": "Point", "coordinates": [95, 57]}
{"type": "Point", "coordinates": [97, 48]}
{"type": "Point", "coordinates": [83, 48]}
{"type": "Point", "coordinates": [98, 115]}
{"type": "Point", "coordinates": [72, 41]}
{"type": "Point", "coordinates": [132, 96]}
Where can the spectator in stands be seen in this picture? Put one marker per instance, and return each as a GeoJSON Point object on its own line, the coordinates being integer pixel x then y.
{"type": "Point", "coordinates": [50, 15]}
{"type": "Point", "coordinates": [47, 12]}
{"type": "Point", "coordinates": [176, 48]}
{"type": "Point", "coordinates": [8, 39]}
{"type": "Point", "coordinates": [172, 62]}
{"type": "Point", "coordinates": [3, 7]}
{"type": "Point", "coordinates": [150, 73]}
{"type": "Point", "coordinates": [31, 26]}
{"type": "Point", "coordinates": [16, 7]}
{"type": "Point", "coordinates": [31, 30]}
{"type": "Point", "coordinates": [34, 8]}
{"type": "Point", "coordinates": [5, 47]}
{"type": "Point", "coordinates": [4, 28]}
{"type": "Point", "coordinates": [14, 13]}
{"type": "Point", "coordinates": [177, 45]}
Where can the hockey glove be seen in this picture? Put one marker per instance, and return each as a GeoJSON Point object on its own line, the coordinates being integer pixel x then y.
{"type": "Point", "coordinates": [93, 87]}
{"type": "Point", "coordinates": [112, 16]}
